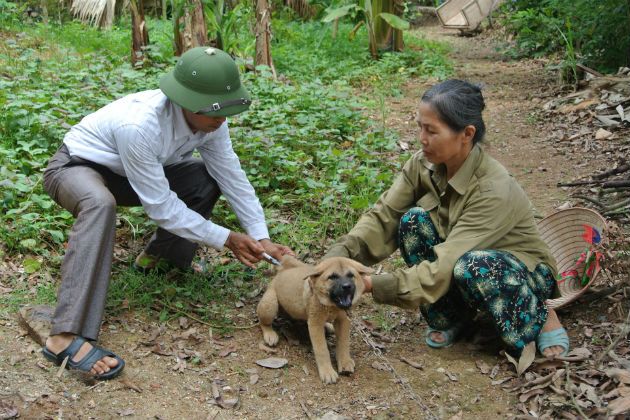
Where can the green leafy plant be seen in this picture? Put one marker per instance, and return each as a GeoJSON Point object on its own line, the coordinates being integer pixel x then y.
{"type": "Point", "coordinates": [600, 31]}
{"type": "Point", "coordinates": [225, 25]}
{"type": "Point", "coordinates": [316, 161]}
{"type": "Point", "coordinates": [365, 11]}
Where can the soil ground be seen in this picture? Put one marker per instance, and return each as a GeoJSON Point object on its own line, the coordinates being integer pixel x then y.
{"type": "Point", "coordinates": [179, 383]}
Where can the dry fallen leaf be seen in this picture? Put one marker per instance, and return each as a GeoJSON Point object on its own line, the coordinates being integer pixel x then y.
{"type": "Point", "coordinates": [129, 384]}
{"type": "Point", "coordinates": [272, 362]}
{"type": "Point", "coordinates": [602, 134]}
{"type": "Point", "coordinates": [158, 349]}
{"type": "Point", "coordinates": [527, 395]}
{"type": "Point", "coordinates": [262, 346]}
{"type": "Point", "coordinates": [8, 410]}
{"type": "Point", "coordinates": [411, 363]}
{"type": "Point", "coordinates": [183, 322]}
{"type": "Point", "coordinates": [228, 398]}
{"type": "Point", "coordinates": [526, 359]}
{"type": "Point", "coordinates": [126, 412]}
{"type": "Point", "coordinates": [482, 366]}
{"type": "Point", "coordinates": [619, 406]}
{"type": "Point", "coordinates": [380, 366]}
{"type": "Point", "coordinates": [227, 351]}
{"type": "Point", "coordinates": [622, 375]}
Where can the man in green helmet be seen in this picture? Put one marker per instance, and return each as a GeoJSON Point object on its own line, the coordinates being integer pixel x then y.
{"type": "Point", "coordinates": [138, 151]}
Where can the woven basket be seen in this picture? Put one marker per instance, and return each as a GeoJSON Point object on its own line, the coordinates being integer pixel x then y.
{"type": "Point", "coordinates": [563, 231]}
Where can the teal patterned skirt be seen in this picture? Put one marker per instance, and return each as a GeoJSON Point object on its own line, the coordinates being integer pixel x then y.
{"type": "Point", "coordinates": [492, 282]}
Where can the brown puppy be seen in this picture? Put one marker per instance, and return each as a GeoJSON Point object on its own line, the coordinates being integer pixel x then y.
{"type": "Point", "coordinates": [316, 294]}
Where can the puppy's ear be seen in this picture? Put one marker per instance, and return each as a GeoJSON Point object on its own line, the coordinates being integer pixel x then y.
{"type": "Point", "coordinates": [363, 270]}
{"type": "Point", "coordinates": [312, 273]}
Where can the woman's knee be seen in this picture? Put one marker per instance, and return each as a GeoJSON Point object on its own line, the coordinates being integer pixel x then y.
{"type": "Point", "coordinates": [414, 216]}
{"type": "Point", "coordinates": [472, 268]}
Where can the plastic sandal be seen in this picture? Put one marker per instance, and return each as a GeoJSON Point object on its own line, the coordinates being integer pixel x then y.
{"type": "Point", "coordinates": [557, 337]}
{"type": "Point", "coordinates": [449, 335]}
{"type": "Point", "coordinates": [86, 363]}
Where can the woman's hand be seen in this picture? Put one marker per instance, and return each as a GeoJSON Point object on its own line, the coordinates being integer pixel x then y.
{"type": "Point", "coordinates": [367, 280]}
{"type": "Point", "coordinates": [276, 250]}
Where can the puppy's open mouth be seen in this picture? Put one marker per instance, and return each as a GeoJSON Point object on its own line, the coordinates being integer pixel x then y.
{"type": "Point", "coordinates": [344, 302]}
{"type": "Point", "coordinates": [342, 295]}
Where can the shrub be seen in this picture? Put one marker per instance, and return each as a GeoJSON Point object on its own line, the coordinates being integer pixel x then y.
{"type": "Point", "coordinates": [600, 31]}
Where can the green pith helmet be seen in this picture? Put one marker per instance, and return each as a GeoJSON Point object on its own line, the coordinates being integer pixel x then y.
{"type": "Point", "coordinates": [206, 81]}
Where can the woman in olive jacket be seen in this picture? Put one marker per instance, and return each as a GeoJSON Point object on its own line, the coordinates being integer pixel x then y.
{"type": "Point", "coordinates": [466, 230]}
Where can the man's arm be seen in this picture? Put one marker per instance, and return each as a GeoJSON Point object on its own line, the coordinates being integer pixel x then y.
{"type": "Point", "coordinates": [147, 178]}
{"type": "Point", "coordinates": [224, 167]}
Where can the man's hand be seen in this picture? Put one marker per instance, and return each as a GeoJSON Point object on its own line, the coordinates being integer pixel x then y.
{"type": "Point", "coordinates": [276, 250]}
{"type": "Point", "coordinates": [245, 248]}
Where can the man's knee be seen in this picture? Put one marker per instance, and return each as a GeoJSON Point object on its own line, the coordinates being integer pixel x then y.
{"type": "Point", "coordinates": [196, 184]}
{"type": "Point", "coordinates": [100, 202]}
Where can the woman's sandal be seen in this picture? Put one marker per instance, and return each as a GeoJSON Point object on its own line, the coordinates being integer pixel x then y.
{"type": "Point", "coordinates": [88, 361]}
{"type": "Point", "coordinates": [449, 335]}
{"type": "Point", "coordinates": [557, 337]}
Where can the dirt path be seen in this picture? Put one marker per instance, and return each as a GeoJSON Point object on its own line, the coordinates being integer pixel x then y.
{"type": "Point", "coordinates": [179, 370]}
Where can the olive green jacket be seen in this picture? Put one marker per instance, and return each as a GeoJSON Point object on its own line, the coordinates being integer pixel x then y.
{"type": "Point", "coordinates": [480, 207]}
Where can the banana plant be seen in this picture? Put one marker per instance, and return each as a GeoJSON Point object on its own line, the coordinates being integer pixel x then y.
{"type": "Point", "coordinates": [369, 11]}
{"type": "Point", "coordinates": [224, 22]}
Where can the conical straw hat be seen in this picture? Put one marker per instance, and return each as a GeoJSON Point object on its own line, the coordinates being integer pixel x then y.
{"type": "Point", "coordinates": [563, 232]}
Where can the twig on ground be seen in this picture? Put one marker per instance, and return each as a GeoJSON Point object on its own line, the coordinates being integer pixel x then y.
{"type": "Point", "coordinates": [62, 367]}
{"type": "Point", "coordinates": [589, 199]}
{"type": "Point", "coordinates": [570, 391]}
{"type": "Point", "coordinates": [614, 171]}
{"type": "Point", "coordinates": [623, 183]}
{"type": "Point", "coordinates": [592, 295]}
{"type": "Point", "coordinates": [404, 384]}
{"type": "Point", "coordinates": [618, 205]}
{"type": "Point", "coordinates": [623, 210]}
{"type": "Point", "coordinates": [577, 183]}
{"type": "Point", "coordinates": [625, 329]}
{"type": "Point", "coordinates": [194, 318]}
{"type": "Point", "coordinates": [306, 412]}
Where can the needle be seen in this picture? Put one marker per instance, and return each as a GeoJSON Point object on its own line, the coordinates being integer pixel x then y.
{"type": "Point", "coordinates": [270, 259]}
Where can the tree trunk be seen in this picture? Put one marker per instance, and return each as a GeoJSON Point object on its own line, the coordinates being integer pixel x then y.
{"type": "Point", "coordinates": [263, 35]}
{"type": "Point", "coordinates": [44, 6]}
{"type": "Point", "coordinates": [397, 41]}
{"type": "Point", "coordinates": [190, 28]}
{"type": "Point", "coordinates": [139, 34]}
{"type": "Point", "coordinates": [387, 38]}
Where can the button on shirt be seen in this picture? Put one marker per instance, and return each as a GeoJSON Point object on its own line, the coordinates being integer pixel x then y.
{"type": "Point", "coordinates": [136, 136]}
{"type": "Point", "coordinates": [480, 207]}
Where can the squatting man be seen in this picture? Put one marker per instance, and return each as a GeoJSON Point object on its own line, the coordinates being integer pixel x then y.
{"type": "Point", "coordinates": [138, 151]}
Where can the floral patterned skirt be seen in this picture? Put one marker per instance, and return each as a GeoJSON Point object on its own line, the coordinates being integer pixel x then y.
{"type": "Point", "coordinates": [492, 282]}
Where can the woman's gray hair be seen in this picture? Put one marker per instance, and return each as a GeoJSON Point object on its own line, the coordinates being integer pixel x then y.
{"type": "Point", "coordinates": [458, 104]}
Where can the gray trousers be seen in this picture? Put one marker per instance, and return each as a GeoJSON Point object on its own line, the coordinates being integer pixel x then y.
{"type": "Point", "coordinates": [92, 192]}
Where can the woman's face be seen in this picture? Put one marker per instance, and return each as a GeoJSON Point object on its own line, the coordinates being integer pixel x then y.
{"type": "Point", "coordinates": [440, 143]}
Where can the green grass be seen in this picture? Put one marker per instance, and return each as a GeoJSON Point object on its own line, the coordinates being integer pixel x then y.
{"type": "Point", "coordinates": [314, 158]}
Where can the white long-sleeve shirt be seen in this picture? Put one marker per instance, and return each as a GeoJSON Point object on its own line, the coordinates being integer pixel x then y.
{"type": "Point", "coordinates": [139, 134]}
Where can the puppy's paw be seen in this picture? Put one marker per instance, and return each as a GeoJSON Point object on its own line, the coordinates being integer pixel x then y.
{"type": "Point", "coordinates": [345, 366]}
{"type": "Point", "coordinates": [328, 375]}
{"type": "Point", "coordinates": [270, 337]}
